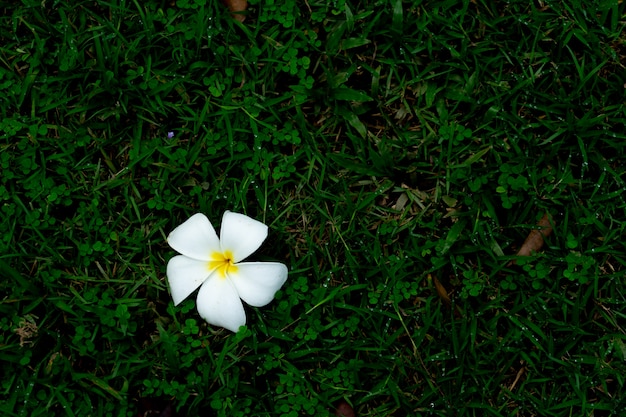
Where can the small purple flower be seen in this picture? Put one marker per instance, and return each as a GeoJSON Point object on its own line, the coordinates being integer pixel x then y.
{"type": "Point", "coordinates": [170, 135]}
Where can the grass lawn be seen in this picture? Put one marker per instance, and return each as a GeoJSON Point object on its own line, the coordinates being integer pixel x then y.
{"type": "Point", "coordinates": [400, 153]}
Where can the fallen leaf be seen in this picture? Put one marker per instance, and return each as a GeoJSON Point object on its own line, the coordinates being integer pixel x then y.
{"type": "Point", "coordinates": [236, 7]}
{"type": "Point", "coordinates": [535, 239]}
{"type": "Point", "coordinates": [444, 296]}
{"type": "Point", "coordinates": [344, 410]}
{"type": "Point", "coordinates": [441, 291]}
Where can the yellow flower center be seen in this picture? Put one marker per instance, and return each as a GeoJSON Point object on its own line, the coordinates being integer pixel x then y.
{"type": "Point", "coordinates": [222, 262]}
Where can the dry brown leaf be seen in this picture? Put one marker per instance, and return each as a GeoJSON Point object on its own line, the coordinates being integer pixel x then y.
{"type": "Point", "coordinates": [441, 291]}
{"type": "Point", "coordinates": [535, 239]}
{"type": "Point", "coordinates": [443, 295]}
{"type": "Point", "coordinates": [237, 7]}
{"type": "Point", "coordinates": [344, 410]}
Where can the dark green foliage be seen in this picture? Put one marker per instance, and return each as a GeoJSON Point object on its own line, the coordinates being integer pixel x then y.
{"type": "Point", "coordinates": [385, 143]}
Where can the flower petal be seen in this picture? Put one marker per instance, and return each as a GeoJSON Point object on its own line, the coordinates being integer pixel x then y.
{"type": "Point", "coordinates": [195, 238]}
{"type": "Point", "coordinates": [219, 304]}
{"type": "Point", "coordinates": [242, 235]}
{"type": "Point", "coordinates": [184, 275]}
{"type": "Point", "coordinates": [257, 282]}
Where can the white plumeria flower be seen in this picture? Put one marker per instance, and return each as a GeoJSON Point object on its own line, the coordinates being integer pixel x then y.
{"type": "Point", "coordinates": [214, 264]}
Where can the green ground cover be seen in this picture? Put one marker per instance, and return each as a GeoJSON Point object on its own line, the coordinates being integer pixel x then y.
{"type": "Point", "coordinates": [389, 145]}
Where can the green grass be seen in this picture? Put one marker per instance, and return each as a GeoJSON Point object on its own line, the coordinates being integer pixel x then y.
{"type": "Point", "coordinates": [386, 144]}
